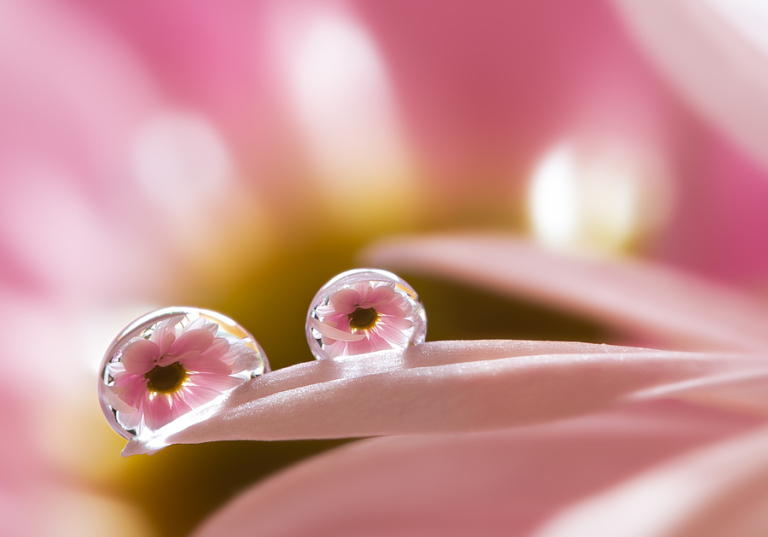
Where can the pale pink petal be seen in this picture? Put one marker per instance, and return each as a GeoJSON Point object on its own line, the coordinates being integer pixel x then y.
{"type": "Point", "coordinates": [217, 350]}
{"type": "Point", "coordinates": [169, 359]}
{"type": "Point", "coordinates": [337, 320]}
{"type": "Point", "coordinates": [395, 308]}
{"type": "Point", "coordinates": [191, 340]}
{"type": "Point", "coordinates": [196, 396]}
{"type": "Point", "coordinates": [157, 410]}
{"type": "Point", "coordinates": [200, 364]}
{"type": "Point", "coordinates": [382, 293]}
{"type": "Point", "coordinates": [745, 391]}
{"type": "Point", "coordinates": [346, 300]}
{"type": "Point", "coordinates": [447, 387]}
{"type": "Point", "coordinates": [334, 347]}
{"type": "Point", "coordinates": [215, 381]}
{"type": "Point", "coordinates": [717, 491]}
{"type": "Point", "coordinates": [179, 406]}
{"type": "Point", "coordinates": [130, 389]}
{"type": "Point", "coordinates": [328, 331]}
{"type": "Point", "coordinates": [165, 333]}
{"type": "Point", "coordinates": [239, 357]}
{"type": "Point", "coordinates": [715, 53]}
{"type": "Point", "coordinates": [398, 323]}
{"type": "Point", "coordinates": [643, 299]}
{"type": "Point", "coordinates": [201, 323]}
{"type": "Point", "coordinates": [380, 343]}
{"type": "Point", "coordinates": [139, 356]}
{"type": "Point", "coordinates": [130, 420]}
{"type": "Point", "coordinates": [392, 334]}
{"type": "Point", "coordinates": [501, 483]}
{"type": "Point", "coordinates": [371, 343]}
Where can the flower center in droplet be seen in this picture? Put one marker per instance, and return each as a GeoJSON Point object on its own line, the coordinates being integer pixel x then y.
{"type": "Point", "coordinates": [363, 318]}
{"type": "Point", "coordinates": [166, 379]}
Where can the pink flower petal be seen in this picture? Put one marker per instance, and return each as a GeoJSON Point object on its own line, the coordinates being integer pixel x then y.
{"type": "Point", "coordinates": [169, 359]}
{"type": "Point", "coordinates": [139, 356]}
{"type": "Point", "coordinates": [346, 300]}
{"type": "Point", "coordinates": [716, 55]}
{"type": "Point", "coordinates": [715, 491]}
{"type": "Point", "coordinates": [130, 420]}
{"type": "Point", "coordinates": [334, 333]}
{"type": "Point", "coordinates": [130, 390]}
{"type": "Point", "coordinates": [215, 381]}
{"type": "Point", "coordinates": [381, 293]}
{"type": "Point", "coordinates": [165, 333]}
{"type": "Point", "coordinates": [217, 350]}
{"type": "Point", "coordinates": [191, 340]}
{"type": "Point", "coordinates": [201, 364]}
{"type": "Point", "coordinates": [644, 299]}
{"type": "Point", "coordinates": [500, 483]}
{"type": "Point", "coordinates": [446, 387]}
{"type": "Point", "coordinates": [395, 308]}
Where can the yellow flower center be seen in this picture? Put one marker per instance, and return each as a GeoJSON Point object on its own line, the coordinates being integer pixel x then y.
{"type": "Point", "coordinates": [363, 318]}
{"type": "Point", "coordinates": [168, 379]}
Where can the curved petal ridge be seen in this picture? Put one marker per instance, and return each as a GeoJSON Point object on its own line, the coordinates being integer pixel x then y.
{"type": "Point", "coordinates": [448, 386]}
{"type": "Point", "coordinates": [653, 301]}
{"type": "Point", "coordinates": [713, 491]}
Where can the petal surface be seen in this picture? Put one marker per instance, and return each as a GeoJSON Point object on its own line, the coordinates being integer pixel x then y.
{"type": "Point", "coordinates": [497, 483]}
{"type": "Point", "coordinates": [659, 303]}
{"type": "Point", "coordinates": [457, 386]}
{"type": "Point", "coordinates": [715, 53]}
{"type": "Point", "coordinates": [717, 490]}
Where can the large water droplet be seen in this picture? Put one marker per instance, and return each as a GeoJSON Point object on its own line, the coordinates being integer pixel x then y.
{"type": "Point", "coordinates": [167, 368]}
{"type": "Point", "coordinates": [364, 310]}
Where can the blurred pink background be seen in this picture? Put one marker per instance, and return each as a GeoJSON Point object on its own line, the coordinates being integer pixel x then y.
{"type": "Point", "coordinates": [236, 156]}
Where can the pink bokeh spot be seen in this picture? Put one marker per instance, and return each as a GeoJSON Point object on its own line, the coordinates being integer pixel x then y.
{"type": "Point", "coordinates": [170, 373]}
{"type": "Point", "coordinates": [385, 311]}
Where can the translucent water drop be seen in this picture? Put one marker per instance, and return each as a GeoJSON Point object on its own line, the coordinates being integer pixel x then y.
{"type": "Point", "coordinates": [167, 367]}
{"type": "Point", "coordinates": [364, 310]}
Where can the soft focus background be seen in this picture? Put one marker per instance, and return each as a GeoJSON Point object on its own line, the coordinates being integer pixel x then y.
{"type": "Point", "coordinates": [237, 155]}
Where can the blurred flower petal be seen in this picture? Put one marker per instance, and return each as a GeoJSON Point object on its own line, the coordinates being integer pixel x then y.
{"type": "Point", "coordinates": [720, 490]}
{"type": "Point", "coordinates": [499, 483]}
{"type": "Point", "coordinates": [716, 53]}
{"type": "Point", "coordinates": [677, 308]}
{"type": "Point", "coordinates": [447, 386]}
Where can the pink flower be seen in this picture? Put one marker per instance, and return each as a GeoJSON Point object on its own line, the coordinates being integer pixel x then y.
{"type": "Point", "coordinates": [172, 371]}
{"type": "Point", "coordinates": [365, 317]}
{"type": "Point", "coordinates": [527, 438]}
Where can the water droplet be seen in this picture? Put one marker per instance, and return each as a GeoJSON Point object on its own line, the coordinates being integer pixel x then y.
{"type": "Point", "coordinates": [167, 368]}
{"type": "Point", "coordinates": [364, 310]}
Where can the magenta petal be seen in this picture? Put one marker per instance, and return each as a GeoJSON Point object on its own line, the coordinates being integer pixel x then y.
{"type": "Point", "coordinates": [139, 356]}
{"type": "Point", "coordinates": [449, 386]}
{"type": "Point", "coordinates": [491, 484]}
{"type": "Point", "coordinates": [640, 298]}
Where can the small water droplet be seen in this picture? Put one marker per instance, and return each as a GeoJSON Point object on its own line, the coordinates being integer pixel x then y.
{"type": "Point", "coordinates": [364, 310]}
{"type": "Point", "coordinates": [166, 368]}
